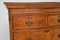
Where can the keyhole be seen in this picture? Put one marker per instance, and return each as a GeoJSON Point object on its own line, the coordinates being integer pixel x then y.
{"type": "Point", "coordinates": [29, 23]}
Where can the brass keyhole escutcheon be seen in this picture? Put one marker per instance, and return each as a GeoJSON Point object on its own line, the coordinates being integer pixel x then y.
{"type": "Point", "coordinates": [29, 23]}
{"type": "Point", "coordinates": [29, 20]}
{"type": "Point", "coordinates": [28, 38]}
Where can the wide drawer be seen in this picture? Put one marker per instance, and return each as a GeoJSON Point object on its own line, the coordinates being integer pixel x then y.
{"type": "Point", "coordinates": [49, 34]}
{"type": "Point", "coordinates": [29, 21]}
{"type": "Point", "coordinates": [29, 35]}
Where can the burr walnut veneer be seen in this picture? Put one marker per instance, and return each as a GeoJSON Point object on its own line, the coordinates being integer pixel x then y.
{"type": "Point", "coordinates": [34, 20]}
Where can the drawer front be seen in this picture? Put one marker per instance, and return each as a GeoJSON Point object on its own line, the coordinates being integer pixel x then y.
{"type": "Point", "coordinates": [53, 20]}
{"type": "Point", "coordinates": [29, 35]}
{"type": "Point", "coordinates": [53, 34]}
{"type": "Point", "coordinates": [56, 34]}
{"type": "Point", "coordinates": [50, 34]}
{"type": "Point", "coordinates": [29, 21]}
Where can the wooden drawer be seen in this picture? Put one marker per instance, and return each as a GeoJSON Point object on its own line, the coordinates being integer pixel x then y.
{"type": "Point", "coordinates": [29, 35]}
{"type": "Point", "coordinates": [53, 20]}
{"type": "Point", "coordinates": [37, 34]}
{"type": "Point", "coordinates": [56, 34]}
{"type": "Point", "coordinates": [29, 21]}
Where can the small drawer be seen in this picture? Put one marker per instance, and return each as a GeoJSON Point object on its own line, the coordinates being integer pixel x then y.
{"type": "Point", "coordinates": [29, 21]}
{"type": "Point", "coordinates": [29, 35]}
{"type": "Point", "coordinates": [53, 20]}
{"type": "Point", "coordinates": [56, 34]}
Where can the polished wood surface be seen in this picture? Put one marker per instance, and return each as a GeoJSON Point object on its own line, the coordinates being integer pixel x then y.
{"type": "Point", "coordinates": [34, 20]}
{"type": "Point", "coordinates": [29, 21]}
{"type": "Point", "coordinates": [33, 5]}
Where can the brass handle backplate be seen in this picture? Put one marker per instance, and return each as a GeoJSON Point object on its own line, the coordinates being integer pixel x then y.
{"type": "Point", "coordinates": [29, 23]}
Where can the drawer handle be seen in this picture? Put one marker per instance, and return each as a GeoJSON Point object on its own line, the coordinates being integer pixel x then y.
{"type": "Point", "coordinates": [46, 31]}
{"type": "Point", "coordinates": [29, 17]}
{"type": "Point", "coordinates": [29, 23]}
{"type": "Point", "coordinates": [29, 38]}
{"type": "Point", "coordinates": [59, 35]}
{"type": "Point", "coordinates": [58, 20]}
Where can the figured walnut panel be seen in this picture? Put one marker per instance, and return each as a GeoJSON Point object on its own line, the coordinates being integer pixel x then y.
{"type": "Point", "coordinates": [53, 20]}
{"type": "Point", "coordinates": [56, 34]}
{"type": "Point", "coordinates": [29, 21]}
{"type": "Point", "coordinates": [33, 35]}
{"type": "Point", "coordinates": [41, 11]}
{"type": "Point", "coordinates": [29, 35]}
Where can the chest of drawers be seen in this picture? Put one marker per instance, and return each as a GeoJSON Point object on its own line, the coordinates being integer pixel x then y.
{"type": "Point", "coordinates": [34, 20]}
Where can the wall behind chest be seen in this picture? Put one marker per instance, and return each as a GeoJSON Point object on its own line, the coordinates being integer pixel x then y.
{"type": "Point", "coordinates": [4, 24]}
{"type": "Point", "coordinates": [30, 0]}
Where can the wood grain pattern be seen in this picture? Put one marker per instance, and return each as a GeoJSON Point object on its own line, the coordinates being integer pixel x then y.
{"type": "Point", "coordinates": [56, 34]}
{"type": "Point", "coordinates": [39, 35]}
{"type": "Point", "coordinates": [53, 20]}
{"type": "Point", "coordinates": [42, 11]}
{"type": "Point", "coordinates": [34, 20]}
{"type": "Point", "coordinates": [29, 21]}
{"type": "Point", "coordinates": [33, 5]}
{"type": "Point", "coordinates": [35, 35]}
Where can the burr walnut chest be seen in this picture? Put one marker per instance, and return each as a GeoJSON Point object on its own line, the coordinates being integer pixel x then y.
{"type": "Point", "coordinates": [34, 20]}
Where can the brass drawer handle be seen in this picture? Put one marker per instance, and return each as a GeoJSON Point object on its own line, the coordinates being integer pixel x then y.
{"type": "Point", "coordinates": [58, 20]}
{"type": "Point", "coordinates": [59, 35]}
{"type": "Point", "coordinates": [29, 38]}
{"type": "Point", "coordinates": [29, 23]}
{"type": "Point", "coordinates": [29, 17]}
